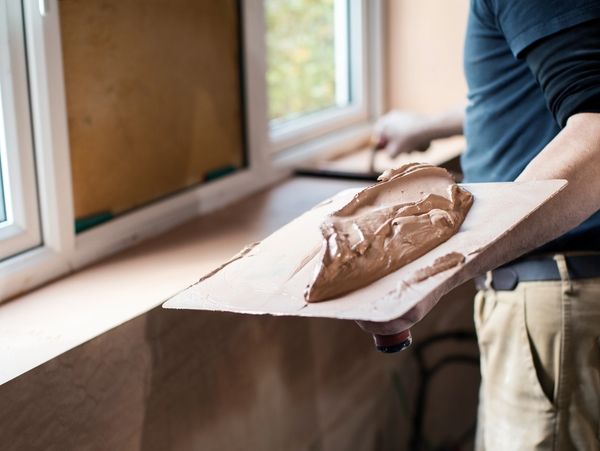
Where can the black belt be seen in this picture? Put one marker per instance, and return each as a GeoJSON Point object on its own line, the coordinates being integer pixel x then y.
{"type": "Point", "coordinates": [540, 268]}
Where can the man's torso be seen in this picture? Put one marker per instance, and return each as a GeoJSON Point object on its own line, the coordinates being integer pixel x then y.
{"type": "Point", "coordinates": [507, 121]}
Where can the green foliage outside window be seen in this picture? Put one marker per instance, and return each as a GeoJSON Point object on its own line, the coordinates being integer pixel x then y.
{"type": "Point", "coordinates": [301, 57]}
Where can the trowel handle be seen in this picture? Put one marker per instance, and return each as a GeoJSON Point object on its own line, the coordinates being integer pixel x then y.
{"type": "Point", "coordinates": [393, 343]}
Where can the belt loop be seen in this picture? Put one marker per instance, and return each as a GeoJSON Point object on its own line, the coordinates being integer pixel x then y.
{"type": "Point", "coordinates": [563, 270]}
{"type": "Point", "coordinates": [488, 280]}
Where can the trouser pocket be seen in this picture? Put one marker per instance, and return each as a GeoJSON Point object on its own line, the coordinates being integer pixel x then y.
{"type": "Point", "coordinates": [515, 410]}
{"type": "Point", "coordinates": [543, 323]}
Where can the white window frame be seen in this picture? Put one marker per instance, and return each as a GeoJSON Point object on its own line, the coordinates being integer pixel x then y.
{"type": "Point", "coordinates": [294, 131]}
{"type": "Point", "coordinates": [21, 230]}
{"type": "Point", "coordinates": [296, 137]}
{"type": "Point", "coordinates": [61, 251]}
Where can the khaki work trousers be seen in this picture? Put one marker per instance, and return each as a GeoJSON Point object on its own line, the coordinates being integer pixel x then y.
{"type": "Point", "coordinates": [540, 365]}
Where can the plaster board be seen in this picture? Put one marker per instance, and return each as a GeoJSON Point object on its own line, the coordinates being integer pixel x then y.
{"type": "Point", "coordinates": [270, 276]}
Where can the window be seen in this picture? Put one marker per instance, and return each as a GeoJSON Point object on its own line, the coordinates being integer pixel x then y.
{"type": "Point", "coordinates": [19, 225]}
{"type": "Point", "coordinates": [176, 108]}
{"type": "Point", "coordinates": [315, 71]}
{"type": "Point", "coordinates": [307, 57]}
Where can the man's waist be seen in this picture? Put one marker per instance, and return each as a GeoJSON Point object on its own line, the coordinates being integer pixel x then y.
{"type": "Point", "coordinates": [540, 268]}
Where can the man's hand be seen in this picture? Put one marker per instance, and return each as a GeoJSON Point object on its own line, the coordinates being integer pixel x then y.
{"type": "Point", "coordinates": [402, 131]}
{"type": "Point", "coordinates": [406, 131]}
{"type": "Point", "coordinates": [405, 322]}
{"type": "Point", "coordinates": [418, 312]}
{"type": "Point", "coordinates": [573, 155]}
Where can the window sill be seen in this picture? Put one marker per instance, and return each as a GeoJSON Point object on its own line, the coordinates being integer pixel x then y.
{"type": "Point", "coordinates": [43, 324]}
{"type": "Point", "coordinates": [440, 153]}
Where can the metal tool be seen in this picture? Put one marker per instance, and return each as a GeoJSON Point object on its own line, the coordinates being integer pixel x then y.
{"type": "Point", "coordinates": [376, 145]}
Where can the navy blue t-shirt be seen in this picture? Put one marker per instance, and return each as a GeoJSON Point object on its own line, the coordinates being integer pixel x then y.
{"type": "Point", "coordinates": [507, 120]}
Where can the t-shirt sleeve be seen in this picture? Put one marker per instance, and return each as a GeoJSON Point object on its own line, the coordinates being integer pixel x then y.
{"type": "Point", "coordinates": [523, 22]}
{"type": "Point", "coordinates": [566, 65]}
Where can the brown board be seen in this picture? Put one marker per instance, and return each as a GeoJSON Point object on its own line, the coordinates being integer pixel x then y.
{"type": "Point", "coordinates": [270, 276]}
{"type": "Point", "coordinates": [153, 96]}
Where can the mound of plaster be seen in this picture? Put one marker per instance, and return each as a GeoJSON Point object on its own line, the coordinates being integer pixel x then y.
{"type": "Point", "coordinates": [410, 211]}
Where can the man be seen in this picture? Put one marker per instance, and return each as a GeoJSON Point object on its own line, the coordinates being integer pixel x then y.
{"type": "Point", "coordinates": [533, 72]}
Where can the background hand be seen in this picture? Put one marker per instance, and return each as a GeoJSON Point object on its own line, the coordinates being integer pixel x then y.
{"type": "Point", "coordinates": [403, 132]}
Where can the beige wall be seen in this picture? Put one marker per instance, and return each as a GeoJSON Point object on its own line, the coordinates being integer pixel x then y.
{"type": "Point", "coordinates": [425, 40]}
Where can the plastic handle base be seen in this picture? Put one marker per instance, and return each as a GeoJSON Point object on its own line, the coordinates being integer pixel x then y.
{"type": "Point", "coordinates": [393, 343]}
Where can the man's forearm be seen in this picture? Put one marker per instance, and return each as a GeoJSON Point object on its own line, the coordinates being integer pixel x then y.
{"type": "Point", "coordinates": [574, 155]}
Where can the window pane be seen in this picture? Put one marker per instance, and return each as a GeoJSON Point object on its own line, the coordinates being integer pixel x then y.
{"type": "Point", "coordinates": [2, 158]}
{"type": "Point", "coordinates": [307, 56]}
{"type": "Point", "coordinates": [19, 220]}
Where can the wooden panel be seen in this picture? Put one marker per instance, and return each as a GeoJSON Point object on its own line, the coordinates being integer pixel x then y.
{"type": "Point", "coordinates": [153, 97]}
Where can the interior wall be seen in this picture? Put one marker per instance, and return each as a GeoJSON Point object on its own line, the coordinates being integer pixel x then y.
{"type": "Point", "coordinates": [181, 380]}
{"type": "Point", "coordinates": [171, 380]}
{"type": "Point", "coordinates": [424, 54]}
{"type": "Point", "coordinates": [153, 98]}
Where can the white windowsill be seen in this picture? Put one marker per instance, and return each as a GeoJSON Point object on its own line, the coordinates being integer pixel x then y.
{"type": "Point", "coordinates": [36, 327]}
